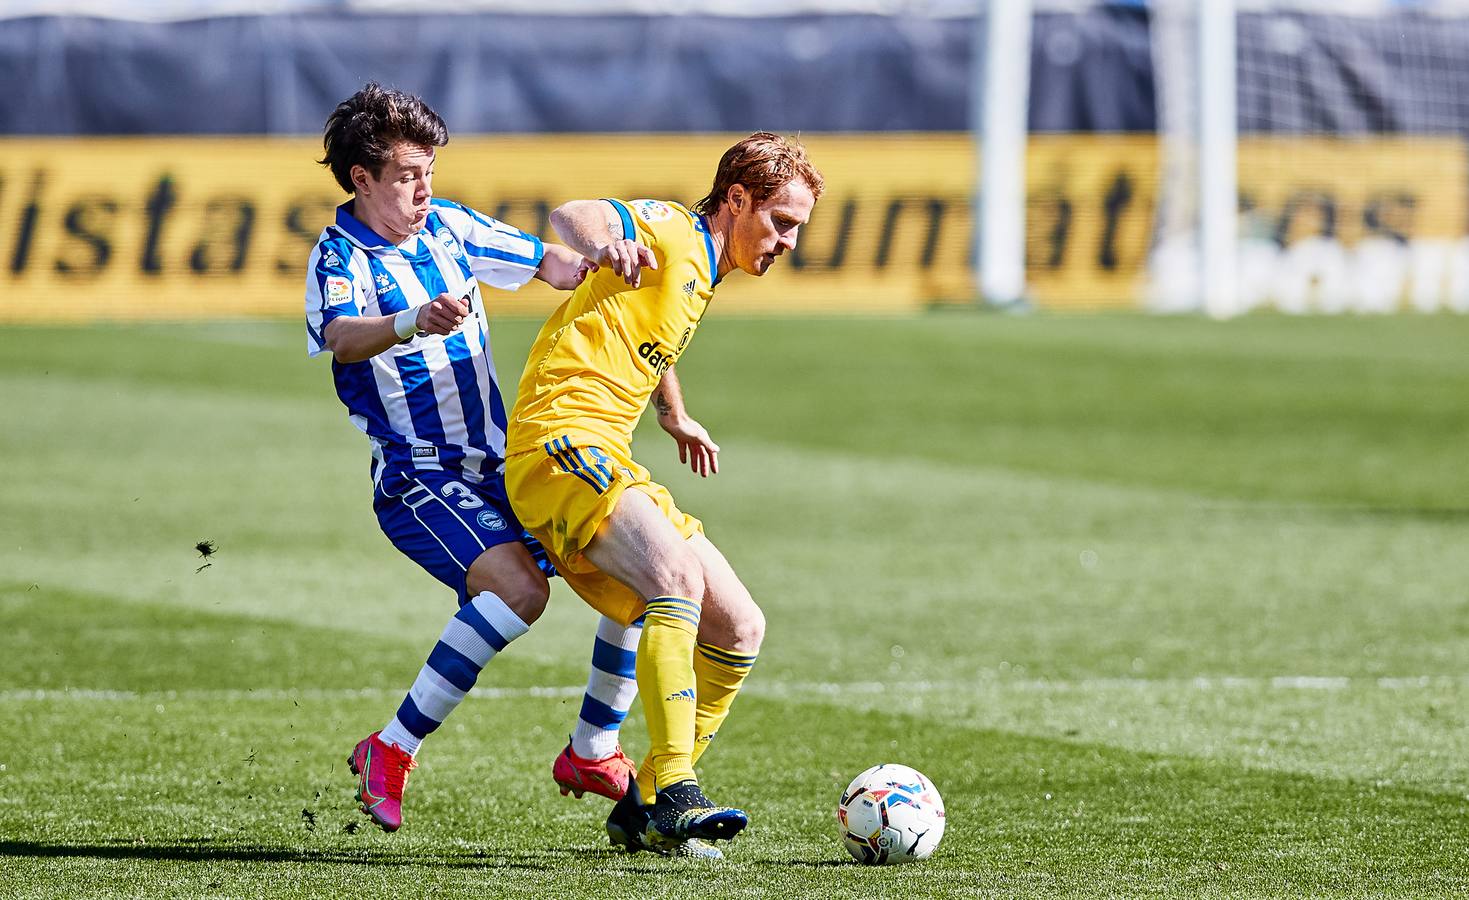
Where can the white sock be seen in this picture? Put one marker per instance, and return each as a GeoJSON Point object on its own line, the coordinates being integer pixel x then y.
{"type": "Point", "coordinates": [480, 629]}
{"type": "Point", "coordinates": [611, 689]}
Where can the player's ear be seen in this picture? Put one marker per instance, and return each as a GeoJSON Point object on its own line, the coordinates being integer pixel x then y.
{"type": "Point", "coordinates": [736, 196]}
{"type": "Point", "coordinates": [360, 178]}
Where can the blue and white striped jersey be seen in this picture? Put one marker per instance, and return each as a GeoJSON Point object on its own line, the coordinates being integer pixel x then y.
{"type": "Point", "coordinates": [431, 402]}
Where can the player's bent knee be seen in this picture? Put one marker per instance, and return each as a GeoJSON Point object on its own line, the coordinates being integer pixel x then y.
{"type": "Point", "coordinates": [747, 629]}
{"type": "Point", "coordinates": [527, 601]}
{"type": "Point", "coordinates": [522, 588]}
{"type": "Point", "coordinates": [733, 622]}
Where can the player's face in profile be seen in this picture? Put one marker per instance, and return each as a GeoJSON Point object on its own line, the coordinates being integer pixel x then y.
{"type": "Point", "coordinates": [399, 197]}
{"type": "Point", "coordinates": [764, 231]}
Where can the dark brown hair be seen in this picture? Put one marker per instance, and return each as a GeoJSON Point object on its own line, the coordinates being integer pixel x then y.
{"type": "Point", "coordinates": [362, 130]}
{"type": "Point", "coordinates": [763, 163]}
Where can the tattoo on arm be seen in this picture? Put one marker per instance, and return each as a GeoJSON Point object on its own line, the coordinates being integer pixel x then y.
{"type": "Point", "coordinates": [661, 403]}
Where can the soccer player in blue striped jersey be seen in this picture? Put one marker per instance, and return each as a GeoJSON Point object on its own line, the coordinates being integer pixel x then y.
{"type": "Point", "coordinates": [393, 294]}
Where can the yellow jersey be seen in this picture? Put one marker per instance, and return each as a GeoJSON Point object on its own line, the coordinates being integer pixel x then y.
{"type": "Point", "coordinates": [600, 355]}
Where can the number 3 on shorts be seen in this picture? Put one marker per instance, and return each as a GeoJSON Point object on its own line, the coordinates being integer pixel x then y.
{"type": "Point", "coordinates": [466, 497]}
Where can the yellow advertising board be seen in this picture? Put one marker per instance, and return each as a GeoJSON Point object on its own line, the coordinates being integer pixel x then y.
{"type": "Point", "coordinates": [1089, 217]}
{"type": "Point", "coordinates": [1348, 189]}
{"type": "Point", "coordinates": [198, 227]}
{"type": "Point", "coordinates": [191, 227]}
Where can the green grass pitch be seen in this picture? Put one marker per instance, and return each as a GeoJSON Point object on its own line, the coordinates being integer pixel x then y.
{"type": "Point", "coordinates": [1164, 607]}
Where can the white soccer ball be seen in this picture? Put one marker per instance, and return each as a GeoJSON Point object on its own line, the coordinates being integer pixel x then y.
{"type": "Point", "coordinates": [890, 814]}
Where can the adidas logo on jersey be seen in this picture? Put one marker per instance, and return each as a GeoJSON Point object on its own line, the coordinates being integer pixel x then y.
{"type": "Point", "coordinates": [688, 288]}
{"type": "Point", "coordinates": [660, 360]}
{"type": "Point", "coordinates": [685, 694]}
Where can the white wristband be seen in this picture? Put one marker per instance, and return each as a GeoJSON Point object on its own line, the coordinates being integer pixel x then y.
{"type": "Point", "coordinates": [405, 323]}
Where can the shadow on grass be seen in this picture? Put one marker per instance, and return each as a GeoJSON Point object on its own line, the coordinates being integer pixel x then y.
{"type": "Point", "coordinates": [1433, 514]}
{"type": "Point", "coordinates": [1424, 513]}
{"type": "Point", "coordinates": [202, 850]}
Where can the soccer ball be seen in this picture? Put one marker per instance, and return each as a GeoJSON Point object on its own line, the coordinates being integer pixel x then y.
{"type": "Point", "coordinates": [890, 814]}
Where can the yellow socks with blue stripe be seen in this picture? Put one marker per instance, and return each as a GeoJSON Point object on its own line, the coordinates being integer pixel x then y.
{"type": "Point", "coordinates": [665, 670]}
{"type": "Point", "coordinates": [718, 675]}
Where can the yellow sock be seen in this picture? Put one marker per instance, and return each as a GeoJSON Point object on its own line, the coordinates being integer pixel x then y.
{"type": "Point", "coordinates": [665, 670]}
{"type": "Point", "coordinates": [718, 674]}
{"type": "Point", "coordinates": [645, 779]}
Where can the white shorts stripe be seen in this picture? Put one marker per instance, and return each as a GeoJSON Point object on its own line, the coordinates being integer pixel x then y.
{"type": "Point", "coordinates": [456, 515]}
{"type": "Point", "coordinates": [447, 552]}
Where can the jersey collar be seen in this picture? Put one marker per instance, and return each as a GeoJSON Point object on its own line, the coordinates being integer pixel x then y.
{"type": "Point", "coordinates": [703, 227]}
{"type": "Point", "coordinates": [359, 233]}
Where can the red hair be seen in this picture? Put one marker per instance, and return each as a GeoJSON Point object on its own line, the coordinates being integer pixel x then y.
{"type": "Point", "coordinates": [764, 163]}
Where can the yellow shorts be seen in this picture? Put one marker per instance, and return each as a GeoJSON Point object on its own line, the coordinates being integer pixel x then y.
{"type": "Point", "coordinates": [562, 495]}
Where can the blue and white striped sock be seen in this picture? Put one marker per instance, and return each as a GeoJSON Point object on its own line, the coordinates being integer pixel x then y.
{"type": "Point", "coordinates": [480, 629]}
{"type": "Point", "coordinates": [611, 689]}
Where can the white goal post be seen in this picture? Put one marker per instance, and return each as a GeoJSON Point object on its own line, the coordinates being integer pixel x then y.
{"type": "Point", "coordinates": [1002, 56]}
{"type": "Point", "coordinates": [1310, 156]}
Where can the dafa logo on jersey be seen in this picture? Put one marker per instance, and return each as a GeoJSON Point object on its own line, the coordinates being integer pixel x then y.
{"type": "Point", "coordinates": [661, 358]}
{"type": "Point", "coordinates": [658, 356]}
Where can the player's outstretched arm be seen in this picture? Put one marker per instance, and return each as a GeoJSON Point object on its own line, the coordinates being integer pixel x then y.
{"type": "Point", "coordinates": [563, 268]}
{"type": "Point", "coordinates": [695, 447]}
{"type": "Point", "coordinates": [355, 338]}
{"type": "Point", "coordinates": [591, 228]}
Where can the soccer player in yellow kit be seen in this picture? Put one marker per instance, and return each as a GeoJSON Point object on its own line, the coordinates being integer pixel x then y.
{"type": "Point", "coordinates": [614, 534]}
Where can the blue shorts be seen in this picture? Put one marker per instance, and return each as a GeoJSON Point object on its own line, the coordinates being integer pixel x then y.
{"type": "Point", "coordinates": [444, 522]}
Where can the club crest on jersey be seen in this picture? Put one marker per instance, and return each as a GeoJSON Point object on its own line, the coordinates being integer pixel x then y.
{"type": "Point", "coordinates": [652, 210]}
{"type": "Point", "coordinates": [338, 290]}
{"type": "Point", "coordinates": [490, 519]}
{"type": "Point", "coordinates": [446, 237]}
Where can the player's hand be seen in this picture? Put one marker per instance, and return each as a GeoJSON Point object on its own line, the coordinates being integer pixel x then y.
{"type": "Point", "coordinates": [627, 258]}
{"type": "Point", "coordinates": [563, 268]}
{"type": "Point", "coordinates": [694, 444]}
{"type": "Point", "coordinates": [442, 315]}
